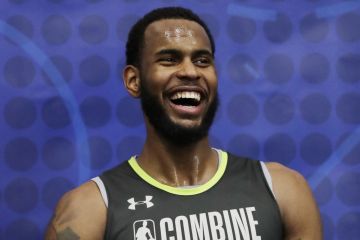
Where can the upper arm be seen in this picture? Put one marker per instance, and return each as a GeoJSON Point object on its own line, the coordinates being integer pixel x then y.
{"type": "Point", "coordinates": [80, 214]}
{"type": "Point", "coordinates": [300, 215]}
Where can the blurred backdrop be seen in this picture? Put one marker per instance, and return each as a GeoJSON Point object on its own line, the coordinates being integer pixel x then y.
{"type": "Point", "coordinates": [289, 84]}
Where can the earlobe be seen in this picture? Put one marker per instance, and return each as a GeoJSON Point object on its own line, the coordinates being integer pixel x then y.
{"type": "Point", "coordinates": [131, 78]}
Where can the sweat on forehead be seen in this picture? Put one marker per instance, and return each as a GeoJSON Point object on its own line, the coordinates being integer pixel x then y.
{"type": "Point", "coordinates": [174, 28]}
{"type": "Point", "coordinates": [135, 42]}
{"type": "Point", "coordinates": [178, 32]}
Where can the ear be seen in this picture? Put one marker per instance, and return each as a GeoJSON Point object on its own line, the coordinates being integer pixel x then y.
{"type": "Point", "coordinates": [131, 78]}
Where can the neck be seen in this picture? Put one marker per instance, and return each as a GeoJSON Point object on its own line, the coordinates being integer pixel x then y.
{"type": "Point", "coordinates": [175, 165]}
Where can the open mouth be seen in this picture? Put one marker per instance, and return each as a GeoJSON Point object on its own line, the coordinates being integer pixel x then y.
{"type": "Point", "coordinates": [186, 98]}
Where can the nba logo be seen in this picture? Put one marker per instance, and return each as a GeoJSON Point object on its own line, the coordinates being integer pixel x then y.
{"type": "Point", "coordinates": [144, 230]}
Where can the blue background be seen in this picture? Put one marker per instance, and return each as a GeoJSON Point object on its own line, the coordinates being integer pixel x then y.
{"type": "Point", "coordinates": [289, 78]}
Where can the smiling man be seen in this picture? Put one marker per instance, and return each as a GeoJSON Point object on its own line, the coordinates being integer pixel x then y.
{"type": "Point", "coordinates": [179, 187]}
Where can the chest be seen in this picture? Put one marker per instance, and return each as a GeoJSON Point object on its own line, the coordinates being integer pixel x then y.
{"type": "Point", "coordinates": [232, 209]}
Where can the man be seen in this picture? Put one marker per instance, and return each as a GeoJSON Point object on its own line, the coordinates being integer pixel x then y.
{"type": "Point", "coordinates": [179, 187]}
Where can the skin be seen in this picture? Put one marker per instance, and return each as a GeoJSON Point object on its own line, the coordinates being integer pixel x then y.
{"type": "Point", "coordinates": [180, 51]}
{"type": "Point", "coordinates": [190, 59]}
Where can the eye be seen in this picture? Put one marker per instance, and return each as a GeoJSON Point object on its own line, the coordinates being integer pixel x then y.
{"type": "Point", "coordinates": [203, 61]}
{"type": "Point", "coordinates": [168, 60]}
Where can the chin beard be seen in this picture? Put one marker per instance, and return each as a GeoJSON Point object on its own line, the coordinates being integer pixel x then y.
{"type": "Point", "coordinates": [170, 131]}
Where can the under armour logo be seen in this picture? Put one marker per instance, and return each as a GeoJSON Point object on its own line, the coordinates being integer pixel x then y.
{"type": "Point", "coordinates": [147, 202]}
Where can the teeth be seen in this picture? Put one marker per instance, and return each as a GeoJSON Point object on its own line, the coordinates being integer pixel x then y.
{"type": "Point", "coordinates": [191, 95]}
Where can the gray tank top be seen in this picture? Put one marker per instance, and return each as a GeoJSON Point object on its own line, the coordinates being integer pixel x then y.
{"type": "Point", "coordinates": [236, 203]}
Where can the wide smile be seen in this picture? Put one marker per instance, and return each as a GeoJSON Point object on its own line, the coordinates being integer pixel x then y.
{"type": "Point", "coordinates": [188, 102]}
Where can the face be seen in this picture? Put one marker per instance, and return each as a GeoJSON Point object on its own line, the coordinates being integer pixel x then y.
{"type": "Point", "coordinates": [178, 80]}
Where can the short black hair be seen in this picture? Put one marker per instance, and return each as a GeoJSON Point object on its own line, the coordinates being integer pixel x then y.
{"type": "Point", "coordinates": [135, 42]}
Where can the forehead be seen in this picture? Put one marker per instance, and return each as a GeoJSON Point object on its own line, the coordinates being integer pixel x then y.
{"type": "Point", "coordinates": [181, 32]}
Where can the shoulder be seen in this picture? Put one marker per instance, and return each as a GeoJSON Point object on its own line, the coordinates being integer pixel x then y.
{"type": "Point", "coordinates": [289, 185]}
{"type": "Point", "coordinates": [76, 211]}
{"type": "Point", "coordinates": [286, 177]}
{"type": "Point", "coordinates": [85, 196]}
{"type": "Point", "coordinates": [298, 209]}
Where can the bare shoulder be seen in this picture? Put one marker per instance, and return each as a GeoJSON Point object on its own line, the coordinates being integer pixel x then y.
{"type": "Point", "coordinates": [289, 185]}
{"type": "Point", "coordinates": [286, 177]}
{"type": "Point", "coordinates": [80, 214]}
{"type": "Point", "coordinates": [299, 211]}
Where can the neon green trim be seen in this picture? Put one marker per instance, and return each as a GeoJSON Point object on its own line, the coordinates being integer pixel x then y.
{"type": "Point", "coordinates": [182, 191]}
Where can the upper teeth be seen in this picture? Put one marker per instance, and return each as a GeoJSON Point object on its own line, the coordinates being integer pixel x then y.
{"type": "Point", "coordinates": [192, 95]}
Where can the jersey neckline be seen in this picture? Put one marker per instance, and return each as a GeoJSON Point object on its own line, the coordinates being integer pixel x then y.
{"type": "Point", "coordinates": [182, 191]}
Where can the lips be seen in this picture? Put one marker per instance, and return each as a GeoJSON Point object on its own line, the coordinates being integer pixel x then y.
{"type": "Point", "coordinates": [187, 101]}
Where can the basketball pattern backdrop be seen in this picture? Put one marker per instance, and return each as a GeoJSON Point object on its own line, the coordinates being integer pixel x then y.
{"type": "Point", "coordinates": [289, 85]}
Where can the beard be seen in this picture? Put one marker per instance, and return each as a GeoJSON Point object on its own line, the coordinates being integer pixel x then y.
{"type": "Point", "coordinates": [168, 129]}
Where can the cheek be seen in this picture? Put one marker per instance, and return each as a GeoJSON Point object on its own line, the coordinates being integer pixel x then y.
{"type": "Point", "coordinates": [154, 83]}
{"type": "Point", "coordinates": [158, 77]}
{"type": "Point", "coordinates": [211, 76]}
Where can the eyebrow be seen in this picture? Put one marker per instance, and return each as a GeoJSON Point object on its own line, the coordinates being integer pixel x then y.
{"type": "Point", "coordinates": [179, 53]}
{"type": "Point", "coordinates": [202, 52]}
{"type": "Point", "coordinates": [168, 51]}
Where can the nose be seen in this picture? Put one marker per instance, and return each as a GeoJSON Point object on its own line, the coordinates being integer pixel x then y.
{"type": "Point", "coordinates": [188, 70]}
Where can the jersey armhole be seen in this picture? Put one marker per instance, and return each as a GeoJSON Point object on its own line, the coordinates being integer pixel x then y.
{"type": "Point", "coordinates": [102, 189]}
{"type": "Point", "coordinates": [267, 177]}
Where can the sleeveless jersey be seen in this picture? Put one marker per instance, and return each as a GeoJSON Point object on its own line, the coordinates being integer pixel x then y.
{"type": "Point", "coordinates": [236, 203]}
